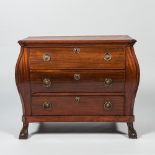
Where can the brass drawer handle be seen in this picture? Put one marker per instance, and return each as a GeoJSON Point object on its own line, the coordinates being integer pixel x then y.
{"type": "Point", "coordinates": [107, 82]}
{"type": "Point", "coordinates": [77, 76]}
{"type": "Point", "coordinates": [76, 50]}
{"type": "Point", "coordinates": [107, 56]}
{"type": "Point", "coordinates": [46, 82]}
{"type": "Point", "coordinates": [46, 57]}
{"type": "Point", "coordinates": [77, 99]}
{"type": "Point", "coordinates": [47, 105]}
{"type": "Point", "coordinates": [107, 105]}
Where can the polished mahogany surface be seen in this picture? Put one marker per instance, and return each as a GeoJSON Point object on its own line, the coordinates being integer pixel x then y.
{"type": "Point", "coordinates": [77, 79]}
{"type": "Point", "coordinates": [87, 105]}
{"type": "Point", "coordinates": [89, 81]}
{"type": "Point", "coordinates": [86, 58]}
{"type": "Point", "coordinates": [79, 39]}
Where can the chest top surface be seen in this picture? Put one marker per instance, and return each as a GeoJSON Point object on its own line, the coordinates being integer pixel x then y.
{"type": "Point", "coordinates": [77, 39]}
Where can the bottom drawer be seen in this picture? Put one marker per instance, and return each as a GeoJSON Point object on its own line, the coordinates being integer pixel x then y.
{"type": "Point", "coordinates": [78, 105]}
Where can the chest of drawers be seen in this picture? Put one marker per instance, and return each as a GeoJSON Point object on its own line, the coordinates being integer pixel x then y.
{"type": "Point", "coordinates": [77, 79]}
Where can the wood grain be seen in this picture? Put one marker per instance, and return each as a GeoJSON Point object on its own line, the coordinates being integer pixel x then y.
{"type": "Point", "coordinates": [80, 118]}
{"type": "Point", "coordinates": [100, 39]}
{"type": "Point", "coordinates": [90, 81]}
{"type": "Point", "coordinates": [88, 105]}
{"type": "Point", "coordinates": [22, 80]}
{"type": "Point", "coordinates": [90, 64]}
{"type": "Point", "coordinates": [88, 58]}
{"type": "Point", "coordinates": [132, 79]}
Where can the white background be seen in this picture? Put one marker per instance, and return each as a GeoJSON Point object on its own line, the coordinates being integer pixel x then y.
{"type": "Point", "coordinates": [22, 18]}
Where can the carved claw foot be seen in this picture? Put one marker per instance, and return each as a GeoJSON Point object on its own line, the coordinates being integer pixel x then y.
{"type": "Point", "coordinates": [131, 131]}
{"type": "Point", "coordinates": [24, 132]}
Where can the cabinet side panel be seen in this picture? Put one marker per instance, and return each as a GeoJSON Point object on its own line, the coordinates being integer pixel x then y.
{"type": "Point", "coordinates": [132, 79]}
{"type": "Point", "coordinates": [23, 81]}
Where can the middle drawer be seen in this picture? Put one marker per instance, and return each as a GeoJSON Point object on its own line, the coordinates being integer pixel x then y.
{"type": "Point", "coordinates": [78, 81]}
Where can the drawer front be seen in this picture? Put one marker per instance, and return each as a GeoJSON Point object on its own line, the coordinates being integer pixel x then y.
{"type": "Point", "coordinates": [77, 58]}
{"type": "Point", "coordinates": [78, 81]}
{"type": "Point", "coordinates": [78, 105]}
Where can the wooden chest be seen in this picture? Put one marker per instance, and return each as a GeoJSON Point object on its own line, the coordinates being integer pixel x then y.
{"type": "Point", "coordinates": [77, 79]}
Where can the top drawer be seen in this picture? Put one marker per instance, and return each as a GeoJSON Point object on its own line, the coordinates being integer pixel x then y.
{"type": "Point", "coordinates": [77, 58]}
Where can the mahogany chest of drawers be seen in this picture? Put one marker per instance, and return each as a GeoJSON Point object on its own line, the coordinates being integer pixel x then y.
{"type": "Point", "coordinates": [77, 79]}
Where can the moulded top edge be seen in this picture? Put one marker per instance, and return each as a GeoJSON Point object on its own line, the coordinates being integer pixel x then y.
{"type": "Point", "coordinates": [77, 39]}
